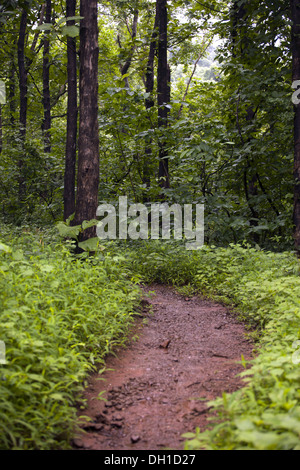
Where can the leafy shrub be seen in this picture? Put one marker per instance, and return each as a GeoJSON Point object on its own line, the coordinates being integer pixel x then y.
{"type": "Point", "coordinates": [59, 317]}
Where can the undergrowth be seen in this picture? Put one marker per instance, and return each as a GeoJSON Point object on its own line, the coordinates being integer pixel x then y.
{"type": "Point", "coordinates": [59, 317]}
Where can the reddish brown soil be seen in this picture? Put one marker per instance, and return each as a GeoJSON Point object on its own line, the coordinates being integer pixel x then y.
{"type": "Point", "coordinates": [187, 349]}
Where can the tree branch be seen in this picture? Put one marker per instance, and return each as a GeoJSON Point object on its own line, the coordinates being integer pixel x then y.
{"type": "Point", "coordinates": [124, 69]}
{"type": "Point", "coordinates": [63, 90]}
{"type": "Point", "coordinates": [192, 75]}
{"type": "Point", "coordinates": [41, 19]}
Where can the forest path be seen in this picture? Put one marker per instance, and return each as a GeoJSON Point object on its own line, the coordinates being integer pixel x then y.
{"type": "Point", "coordinates": [187, 348]}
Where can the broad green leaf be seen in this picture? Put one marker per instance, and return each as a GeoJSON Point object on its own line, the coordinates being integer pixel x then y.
{"type": "Point", "coordinates": [5, 248]}
{"type": "Point", "coordinates": [45, 27]}
{"type": "Point", "coordinates": [69, 219]}
{"type": "Point", "coordinates": [90, 223]}
{"type": "Point", "coordinates": [89, 245]}
{"type": "Point", "coordinates": [75, 18]}
{"type": "Point", "coordinates": [71, 31]}
{"type": "Point", "coordinates": [57, 396]}
{"type": "Point", "coordinates": [68, 231]}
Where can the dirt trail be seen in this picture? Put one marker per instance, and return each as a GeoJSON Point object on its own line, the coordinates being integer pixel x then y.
{"type": "Point", "coordinates": [187, 349]}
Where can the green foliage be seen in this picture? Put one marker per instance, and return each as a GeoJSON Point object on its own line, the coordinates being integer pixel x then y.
{"type": "Point", "coordinates": [61, 27]}
{"type": "Point", "coordinates": [229, 146]}
{"type": "Point", "coordinates": [265, 288]}
{"type": "Point", "coordinates": [59, 317]}
{"type": "Point", "coordinates": [240, 168]}
{"type": "Point", "coordinates": [43, 179]}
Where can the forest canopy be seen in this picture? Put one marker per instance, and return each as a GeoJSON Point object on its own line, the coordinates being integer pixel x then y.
{"type": "Point", "coordinates": [187, 102]}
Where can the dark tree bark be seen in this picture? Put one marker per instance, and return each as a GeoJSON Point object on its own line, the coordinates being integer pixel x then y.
{"type": "Point", "coordinates": [24, 64]}
{"type": "Point", "coordinates": [71, 141]}
{"type": "Point", "coordinates": [23, 75]}
{"type": "Point", "coordinates": [149, 102]}
{"type": "Point", "coordinates": [88, 144]}
{"type": "Point", "coordinates": [150, 66]}
{"type": "Point", "coordinates": [163, 89]}
{"type": "Point", "coordinates": [23, 78]}
{"type": "Point", "coordinates": [46, 83]}
{"type": "Point", "coordinates": [295, 43]}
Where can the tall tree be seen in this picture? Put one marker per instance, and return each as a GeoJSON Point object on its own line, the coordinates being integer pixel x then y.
{"type": "Point", "coordinates": [149, 102]}
{"type": "Point", "coordinates": [295, 16]}
{"type": "Point", "coordinates": [88, 143]}
{"type": "Point", "coordinates": [23, 85]}
{"type": "Point", "coordinates": [24, 64]}
{"type": "Point", "coordinates": [163, 89]}
{"type": "Point", "coordinates": [46, 82]}
{"type": "Point", "coordinates": [71, 140]}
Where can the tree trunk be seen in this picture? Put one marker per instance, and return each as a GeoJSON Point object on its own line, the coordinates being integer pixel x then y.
{"type": "Point", "coordinates": [295, 16]}
{"type": "Point", "coordinates": [71, 141]}
{"type": "Point", "coordinates": [88, 144]}
{"type": "Point", "coordinates": [23, 76]}
{"type": "Point", "coordinates": [163, 90]}
{"type": "Point", "coordinates": [46, 83]}
{"type": "Point", "coordinates": [149, 102]}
